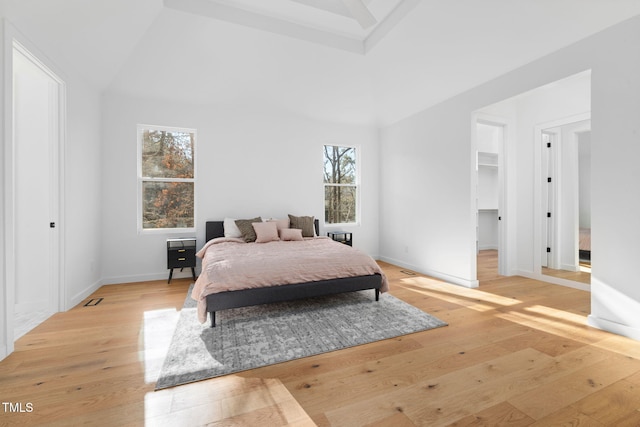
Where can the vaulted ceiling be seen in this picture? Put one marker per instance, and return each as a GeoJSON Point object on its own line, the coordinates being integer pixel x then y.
{"type": "Point", "coordinates": [307, 56]}
{"type": "Point", "coordinates": [353, 25]}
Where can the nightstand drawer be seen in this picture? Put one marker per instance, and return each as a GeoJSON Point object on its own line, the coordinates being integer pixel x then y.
{"type": "Point", "coordinates": [180, 258]}
{"type": "Point", "coordinates": [181, 253]}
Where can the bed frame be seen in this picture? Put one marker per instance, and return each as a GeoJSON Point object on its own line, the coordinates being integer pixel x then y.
{"type": "Point", "coordinates": [281, 293]}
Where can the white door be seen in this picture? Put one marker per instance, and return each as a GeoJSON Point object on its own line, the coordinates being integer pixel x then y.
{"type": "Point", "coordinates": [490, 137]}
{"type": "Point", "coordinates": [548, 198]}
{"type": "Point", "coordinates": [560, 195]}
{"type": "Point", "coordinates": [35, 145]}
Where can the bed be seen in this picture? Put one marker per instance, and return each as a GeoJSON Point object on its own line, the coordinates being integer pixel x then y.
{"type": "Point", "coordinates": [217, 289]}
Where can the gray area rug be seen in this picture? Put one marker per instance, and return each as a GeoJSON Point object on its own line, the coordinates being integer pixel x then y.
{"type": "Point", "coordinates": [251, 337]}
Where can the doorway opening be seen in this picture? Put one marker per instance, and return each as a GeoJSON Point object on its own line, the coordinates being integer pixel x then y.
{"type": "Point", "coordinates": [489, 136]}
{"type": "Point", "coordinates": [523, 225]}
{"type": "Point", "coordinates": [566, 200]}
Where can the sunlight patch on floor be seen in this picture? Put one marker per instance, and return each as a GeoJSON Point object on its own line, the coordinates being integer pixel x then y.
{"type": "Point", "coordinates": [556, 315]}
{"type": "Point", "coordinates": [155, 337]}
{"type": "Point", "coordinates": [550, 320]}
{"type": "Point", "coordinates": [471, 298]}
{"type": "Point", "coordinates": [230, 400]}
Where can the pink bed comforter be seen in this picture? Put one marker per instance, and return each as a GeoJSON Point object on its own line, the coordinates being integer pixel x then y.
{"type": "Point", "coordinates": [585, 239]}
{"type": "Point", "coordinates": [231, 264]}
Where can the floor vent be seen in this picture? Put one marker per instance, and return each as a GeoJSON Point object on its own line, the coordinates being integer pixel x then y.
{"type": "Point", "coordinates": [93, 302]}
{"type": "Point", "coordinates": [408, 273]}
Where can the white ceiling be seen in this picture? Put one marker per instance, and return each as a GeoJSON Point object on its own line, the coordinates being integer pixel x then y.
{"type": "Point", "coordinates": [94, 37]}
{"type": "Point", "coordinates": [327, 22]}
{"type": "Point", "coordinates": [438, 49]}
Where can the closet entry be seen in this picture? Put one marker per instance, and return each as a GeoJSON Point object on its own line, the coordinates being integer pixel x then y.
{"type": "Point", "coordinates": [489, 138]}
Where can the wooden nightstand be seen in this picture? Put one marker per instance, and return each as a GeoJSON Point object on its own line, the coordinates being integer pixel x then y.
{"type": "Point", "coordinates": [345, 237]}
{"type": "Point", "coordinates": [181, 253]}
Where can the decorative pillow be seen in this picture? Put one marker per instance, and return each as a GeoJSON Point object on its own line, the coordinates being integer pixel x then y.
{"type": "Point", "coordinates": [305, 223]}
{"type": "Point", "coordinates": [246, 228]}
{"type": "Point", "coordinates": [291, 234]}
{"type": "Point", "coordinates": [231, 229]}
{"type": "Point", "coordinates": [265, 231]}
{"type": "Point", "coordinates": [281, 223]}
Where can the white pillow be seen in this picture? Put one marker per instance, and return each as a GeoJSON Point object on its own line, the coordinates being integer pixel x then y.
{"type": "Point", "coordinates": [231, 229]}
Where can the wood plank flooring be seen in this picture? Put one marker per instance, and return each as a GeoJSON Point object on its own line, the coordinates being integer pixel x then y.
{"type": "Point", "coordinates": [517, 352]}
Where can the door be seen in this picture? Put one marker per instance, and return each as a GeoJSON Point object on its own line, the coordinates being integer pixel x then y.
{"type": "Point", "coordinates": [36, 125]}
{"type": "Point", "coordinates": [565, 201]}
{"type": "Point", "coordinates": [548, 198]}
{"type": "Point", "coordinates": [490, 181]}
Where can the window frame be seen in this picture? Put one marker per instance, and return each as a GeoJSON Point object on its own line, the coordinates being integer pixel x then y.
{"type": "Point", "coordinates": [141, 180]}
{"type": "Point", "coordinates": [357, 185]}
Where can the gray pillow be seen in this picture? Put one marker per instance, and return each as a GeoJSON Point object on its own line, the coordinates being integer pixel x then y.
{"type": "Point", "coordinates": [304, 223]}
{"type": "Point", "coordinates": [245, 227]}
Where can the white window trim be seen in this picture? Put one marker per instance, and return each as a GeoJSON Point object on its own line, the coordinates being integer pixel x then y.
{"type": "Point", "coordinates": [141, 179]}
{"type": "Point", "coordinates": [357, 185]}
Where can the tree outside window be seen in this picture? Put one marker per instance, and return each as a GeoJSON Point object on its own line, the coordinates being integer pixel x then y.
{"type": "Point", "coordinates": [340, 185]}
{"type": "Point", "coordinates": [167, 177]}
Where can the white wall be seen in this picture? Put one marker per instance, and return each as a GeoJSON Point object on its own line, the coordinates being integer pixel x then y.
{"type": "Point", "coordinates": [248, 163]}
{"type": "Point", "coordinates": [615, 297]}
{"type": "Point", "coordinates": [426, 193]}
{"type": "Point", "coordinates": [427, 211]}
{"type": "Point", "coordinates": [82, 184]}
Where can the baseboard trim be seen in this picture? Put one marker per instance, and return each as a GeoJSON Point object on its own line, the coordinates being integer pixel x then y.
{"type": "Point", "coordinates": [27, 307]}
{"type": "Point", "coordinates": [569, 267]}
{"type": "Point", "coordinates": [487, 247]}
{"type": "Point", "coordinates": [82, 295]}
{"type": "Point", "coordinates": [177, 274]}
{"type": "Point", "coordinates": [613, 327]}
{"type": "Point", "coordinates": [553, 280]}
{"type": "Point", "coordinates": [118, 280]}
{"type": "Point", "coordinates": [432, 273]}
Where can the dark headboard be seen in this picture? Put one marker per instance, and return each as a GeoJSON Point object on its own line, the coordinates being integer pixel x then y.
{"type": "Point", "coordinates": [216, 229]}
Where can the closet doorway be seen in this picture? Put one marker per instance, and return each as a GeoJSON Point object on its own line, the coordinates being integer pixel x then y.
{"type": "Point", "coordinates": [489, 136]}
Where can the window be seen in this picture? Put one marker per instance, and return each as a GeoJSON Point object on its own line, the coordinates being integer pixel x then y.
{"type": "Point", "coordinates": [340, 185]}
{"type": "Point", "coordinates": [166, 175]}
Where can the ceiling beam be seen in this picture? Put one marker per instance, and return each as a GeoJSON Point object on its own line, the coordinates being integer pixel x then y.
{"type": "Point", "coordinates": [223, 12]}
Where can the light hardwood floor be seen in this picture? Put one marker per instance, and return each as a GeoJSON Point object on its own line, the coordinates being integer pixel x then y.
{"type": "Point", "coordinates": [517, 352]}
